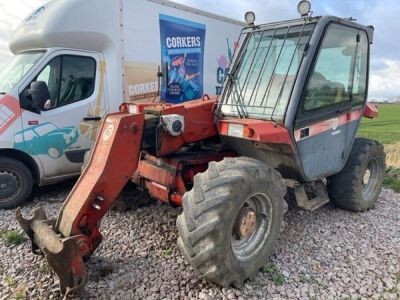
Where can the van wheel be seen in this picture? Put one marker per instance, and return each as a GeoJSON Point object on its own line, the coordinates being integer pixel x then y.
{"type": "Point", "coordinates": [358, 185]}
{"type": "Point", "coordinates": [231, 219]}
{"type": "Point", "coordinates": [16, 183]}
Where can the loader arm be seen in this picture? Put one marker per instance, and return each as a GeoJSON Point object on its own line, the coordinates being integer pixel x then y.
{"type": "Point", "coordinates": [75, 235]}
{"type": "Point", "coordinates": [114, 159]}
{"type": "Point", "coordinates": [70, 240]}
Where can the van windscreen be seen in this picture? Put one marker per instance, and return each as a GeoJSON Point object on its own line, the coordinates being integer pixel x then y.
{"type": "Point", "coordinates": [17, 68]}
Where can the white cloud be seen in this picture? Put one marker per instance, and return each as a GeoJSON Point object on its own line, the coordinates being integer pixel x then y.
{"type": "Point", "coordinates": [12, 13]}
{"type": "Point", "coordinates": [385, 81]}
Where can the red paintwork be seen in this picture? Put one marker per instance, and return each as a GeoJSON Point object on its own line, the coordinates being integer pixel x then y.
{"type": "Point", "coordinates": [331, 124]}
{"type": "Point", "coordinates": [371, 111]}
{"type": "Point", "coordinates": [199, 123]}
{"type": "Point", "coordinates": [166, 179]}
{"type": "Point", "coordinates": [9, 112]}
{"type": "Point", "coordinates": [105, 176]}
{"type": "Point", "coordinates": [262, 131]}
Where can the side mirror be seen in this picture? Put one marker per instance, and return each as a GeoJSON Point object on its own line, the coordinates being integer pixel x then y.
{"type": "Point", "coordinates": [39, 94]}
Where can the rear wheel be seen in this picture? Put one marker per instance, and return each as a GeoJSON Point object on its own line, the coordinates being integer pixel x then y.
{"type": "Point", "coordinates": [231, 219]}
{"type": "Point", "coordinates": [16, 183]}
{"type": "Point", "coordinates": [358, 185]}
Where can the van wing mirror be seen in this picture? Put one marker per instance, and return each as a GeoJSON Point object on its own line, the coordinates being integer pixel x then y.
{"type": "Point", "coordinates": [39, 94]}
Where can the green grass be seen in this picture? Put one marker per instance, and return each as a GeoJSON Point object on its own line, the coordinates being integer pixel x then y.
{"type": "Point", "coordinates": [166, 252]}
{"type": "Point", "coordinates": [274, 274]}
{"type": "Point", "coordinates": [19, 295]}
{"type": "Point", "coordinates": [12, 237]}
{"type": "Point", "coordinates": [392, 179]}
{"type": "Point", "coordinates": [385, 128]}
{"type": "Point", "coordinates": [10, 281]}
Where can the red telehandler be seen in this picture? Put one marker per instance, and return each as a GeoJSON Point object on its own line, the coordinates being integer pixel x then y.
{"type": "Point", "coordinates": [288, 113]}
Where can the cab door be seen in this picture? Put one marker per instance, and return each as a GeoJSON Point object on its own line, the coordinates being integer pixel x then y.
{"type": "Point", "coordinates": [332, 102]}
{"type": "Point", "coordinates": [61, 131]}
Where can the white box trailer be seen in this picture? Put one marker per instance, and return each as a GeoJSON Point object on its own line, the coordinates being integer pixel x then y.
{"type": "Point", "coordinates": [82, 59]}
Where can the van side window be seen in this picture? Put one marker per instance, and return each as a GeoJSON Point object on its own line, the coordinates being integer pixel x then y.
{"type": "Point", "coordinates": [51, 75]}
{"type": "Point", "coordinates": [69, 79]}
{"type": "Point", "coordinates": [77, 79]}
{"type": "Point", "coordinates": [332, 79]}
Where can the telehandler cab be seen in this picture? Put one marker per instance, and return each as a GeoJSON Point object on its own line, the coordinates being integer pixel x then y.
{"type": "Point", "coordinates": [288, 113]}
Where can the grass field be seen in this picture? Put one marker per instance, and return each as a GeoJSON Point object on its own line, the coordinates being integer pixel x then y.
{"type": "Point", "coordinates": [386, 130]}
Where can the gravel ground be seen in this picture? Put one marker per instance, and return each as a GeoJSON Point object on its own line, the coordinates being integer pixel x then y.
{"type": "Point", "coordinates": [328, 254]}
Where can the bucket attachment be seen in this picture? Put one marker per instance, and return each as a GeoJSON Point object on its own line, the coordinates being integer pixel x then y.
{"type": "Point", "coordinates": [64, 255]}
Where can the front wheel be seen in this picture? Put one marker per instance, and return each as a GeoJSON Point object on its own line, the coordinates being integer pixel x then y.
{"type": "Point", "coordinates": [358, 185]}
{"type": "Point", "coordinates": [231, 219]}
{"type": "Point", "coordinates": [16, 183]}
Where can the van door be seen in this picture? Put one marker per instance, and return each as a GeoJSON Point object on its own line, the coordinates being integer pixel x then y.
{"type": "Point", "coordinates": [65, 127]}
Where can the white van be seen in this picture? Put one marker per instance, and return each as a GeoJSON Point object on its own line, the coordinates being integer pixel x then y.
{"type": "Point", "coordinates": [77, 60]}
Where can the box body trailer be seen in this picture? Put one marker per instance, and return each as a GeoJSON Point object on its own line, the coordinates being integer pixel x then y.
{"type": "Point", "coordinates": [92, 56]}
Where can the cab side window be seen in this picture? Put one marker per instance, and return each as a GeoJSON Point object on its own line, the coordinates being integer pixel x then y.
{"type": "Point", "coordinates": [359, 94]}
{"type": "Point", "coordinates": [69, 79]}
{"type": "Point", "coordinates": [340, 71]}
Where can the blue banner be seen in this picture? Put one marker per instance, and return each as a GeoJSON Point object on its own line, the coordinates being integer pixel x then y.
{"type": "Point", "coordinates": [182, 56]}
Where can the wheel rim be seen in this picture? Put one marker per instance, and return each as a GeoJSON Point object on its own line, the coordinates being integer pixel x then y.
{"type": "Point", "coordinates": [370, 179]}
{"type": "Point", "coordinates": [251, 227]}
{"type": "Point", "coordinates": [10, 185]}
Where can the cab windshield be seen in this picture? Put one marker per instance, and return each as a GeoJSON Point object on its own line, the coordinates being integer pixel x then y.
{"type": "Point", "coordinates": [264, 72]}
{"type": "Point", "coordinates": [17, 68]}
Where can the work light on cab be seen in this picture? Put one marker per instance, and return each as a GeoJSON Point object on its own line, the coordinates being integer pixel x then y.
{"type": "Point", "coordinates": [304, 8]}
{"type": "Point", "coordinates": [250, 18]}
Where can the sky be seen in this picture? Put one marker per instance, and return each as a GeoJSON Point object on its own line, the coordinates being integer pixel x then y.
{"type": "Point", "coordinates": [382, 14]}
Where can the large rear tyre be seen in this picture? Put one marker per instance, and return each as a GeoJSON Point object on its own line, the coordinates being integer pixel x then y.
{"type": "Point", "coordinates": [16, 183]}
{"type": "Point", "coordinates": [231, 219]}
{"type": "Point", "coordinates": [358, 185]}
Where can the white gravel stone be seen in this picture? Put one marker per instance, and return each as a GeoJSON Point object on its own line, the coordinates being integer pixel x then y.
{"type": "Point", "coordinates": [328, 254]}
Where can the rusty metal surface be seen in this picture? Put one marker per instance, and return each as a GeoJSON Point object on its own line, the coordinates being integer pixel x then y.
{"type": "Point", "coordinates": [245, 222]}
{"type": "Point", "coordinates": [64, 255]}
